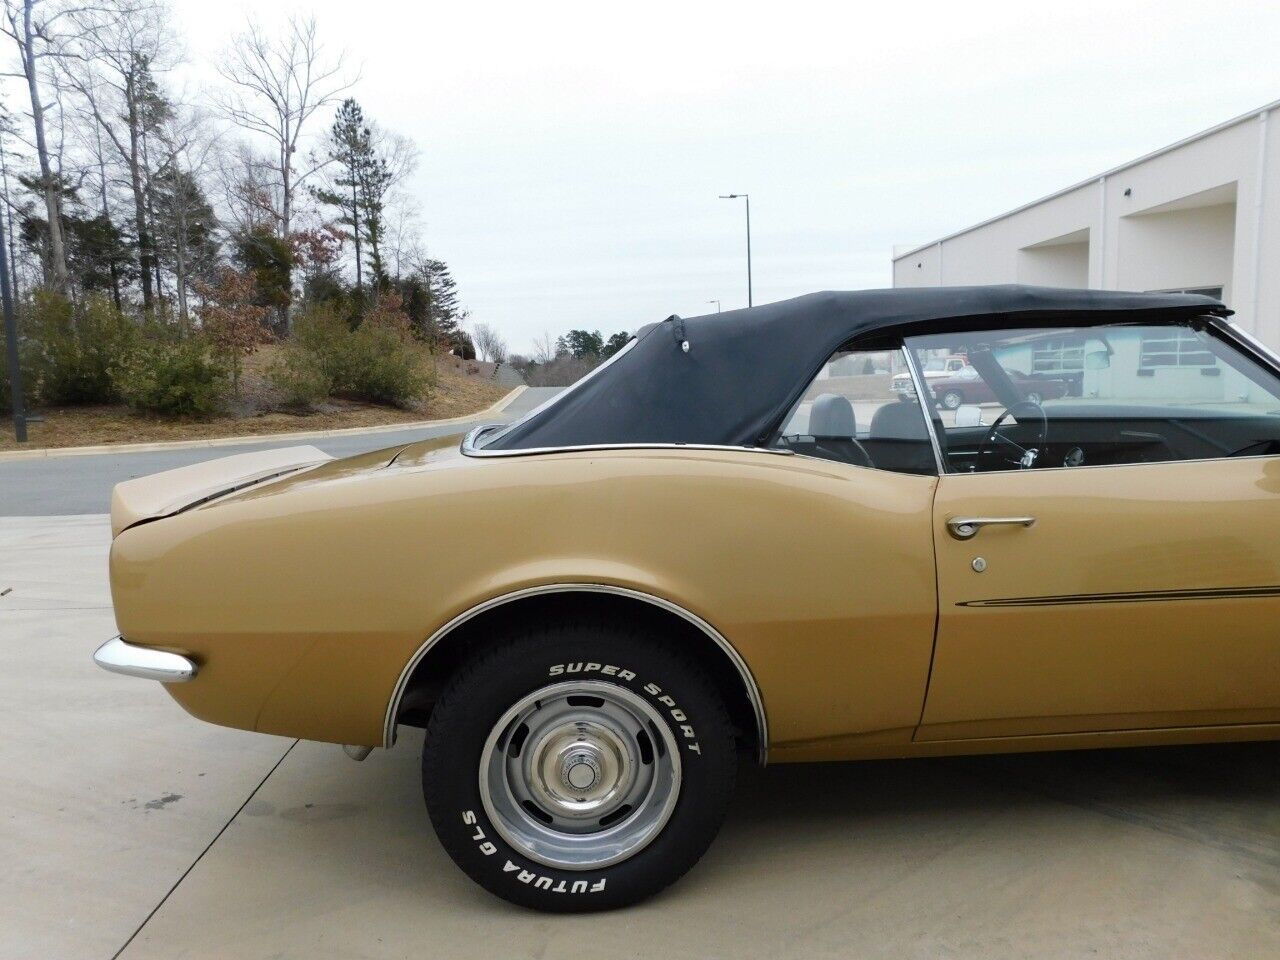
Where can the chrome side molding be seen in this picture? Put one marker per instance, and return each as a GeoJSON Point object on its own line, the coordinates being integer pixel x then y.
{"type": "Point", "coordinates": [473, 446]}
{"type": "Point", "coordinates": [119, 656]}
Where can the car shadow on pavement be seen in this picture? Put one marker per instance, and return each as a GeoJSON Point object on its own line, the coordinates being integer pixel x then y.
{"type": "Point", "coordinates": [1225, 795]}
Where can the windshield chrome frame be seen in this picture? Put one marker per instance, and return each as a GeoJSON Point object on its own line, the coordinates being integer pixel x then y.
{"type": "Point", "coordinates": [1241, 337]}
{"type": "Point", "coordinates": [925, 399]}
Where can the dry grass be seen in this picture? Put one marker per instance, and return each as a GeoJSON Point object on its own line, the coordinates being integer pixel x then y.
{"type": "Point", "coordinates": [258, 411]}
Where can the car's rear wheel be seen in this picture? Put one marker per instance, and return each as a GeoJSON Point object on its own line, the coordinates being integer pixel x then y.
{"type": "Point", "coordinates": [578, 768]}
{"type": "Point", "coordinates": [952, 399]}
{"type": "Point", "coordinates": [1034, 397]}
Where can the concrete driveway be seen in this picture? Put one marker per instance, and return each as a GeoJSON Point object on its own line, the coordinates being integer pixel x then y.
{"type": "Point", "coordinates": [133, 830]}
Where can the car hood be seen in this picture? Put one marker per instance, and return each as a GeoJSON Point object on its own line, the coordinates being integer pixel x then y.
{"type": "Point", "coordinates": [173, 491]}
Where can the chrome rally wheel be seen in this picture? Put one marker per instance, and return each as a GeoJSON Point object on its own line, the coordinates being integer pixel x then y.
{"type": "Point", "coordinates": [579, 775]}
{"type": "Point", "coordinates": [578, 767]}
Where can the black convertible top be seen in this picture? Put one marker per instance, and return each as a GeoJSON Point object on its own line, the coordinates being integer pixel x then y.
{"type": "Point", "coordinates": [744, 369]}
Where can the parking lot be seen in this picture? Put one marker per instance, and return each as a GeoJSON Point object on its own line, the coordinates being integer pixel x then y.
{"type": "Point", "coordinates": [133, 830]}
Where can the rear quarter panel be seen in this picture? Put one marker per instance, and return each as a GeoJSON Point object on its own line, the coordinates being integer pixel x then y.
{"type": "Point", "coordinates": [305, 602]}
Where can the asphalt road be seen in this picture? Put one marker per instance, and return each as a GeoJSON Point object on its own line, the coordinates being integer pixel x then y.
{"type": "Point", "coordinates": [128, 824]}
{"type": "Point", "coordinates": [71, 485]}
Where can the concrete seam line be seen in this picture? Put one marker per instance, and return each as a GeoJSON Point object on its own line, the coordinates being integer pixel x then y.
{"type": "Point", "coordinates": [250, 438]}
{"type": "Point", "coordinates": [218, 836]}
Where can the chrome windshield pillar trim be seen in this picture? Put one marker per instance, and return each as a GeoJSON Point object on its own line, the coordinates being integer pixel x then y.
{"type": "Point", "coordinates": [470, 447]}
{"type": "Point", "coordinates": [748, 679]}
{"type": "Point", "coordinates": [117, 655]}
{"type": "Point", "coordinates": [1243, 338]}
{"type": "Point", "coordinates": [926, 411]}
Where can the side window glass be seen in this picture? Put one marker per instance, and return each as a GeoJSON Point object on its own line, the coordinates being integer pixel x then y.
{"type": "Point", "coordinates": [861, 409]}
{"type": "Point", "coordinates": [1093, 396]}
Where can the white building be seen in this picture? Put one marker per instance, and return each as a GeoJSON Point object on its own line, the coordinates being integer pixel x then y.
{"type": "Point", "coordinates": [1200, 215]}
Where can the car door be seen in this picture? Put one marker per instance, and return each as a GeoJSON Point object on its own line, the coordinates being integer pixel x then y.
{"type": "Point", "coordinates": [846, 624]}
{"type": "Point", "coordinates": [1139, 592]}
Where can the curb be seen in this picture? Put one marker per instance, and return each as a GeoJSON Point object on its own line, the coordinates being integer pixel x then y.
{"type": "Point", "coordinates": [43, 452]}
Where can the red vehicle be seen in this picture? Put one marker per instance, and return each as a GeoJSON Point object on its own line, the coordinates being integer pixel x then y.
{"type": "Point", "coordinates": [966, 386]}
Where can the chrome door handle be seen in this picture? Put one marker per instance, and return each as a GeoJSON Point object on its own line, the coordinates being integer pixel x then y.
{"type": "Point", "coordinates": [962, 528]}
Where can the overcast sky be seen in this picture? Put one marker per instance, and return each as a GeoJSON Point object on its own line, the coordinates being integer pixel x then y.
{"type": "Point", "coordinates": [572, 153]}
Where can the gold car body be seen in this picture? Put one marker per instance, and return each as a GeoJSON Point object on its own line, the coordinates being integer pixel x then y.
{"type": "Point", "coordinates": [1139, 609]}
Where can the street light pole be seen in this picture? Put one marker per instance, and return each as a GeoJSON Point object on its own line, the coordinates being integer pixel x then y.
{"type": "Point", "coordinates": [747, 198]}
{"type": "Point", "coordinates": [11, 337]}
{"type": "Point", "coordinates": [717, 303]}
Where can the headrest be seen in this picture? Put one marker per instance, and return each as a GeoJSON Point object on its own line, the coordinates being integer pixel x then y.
{"type": "Point", "coordinates": [832, 416]}
{"type": "Point", "coordinates": [899, 421]}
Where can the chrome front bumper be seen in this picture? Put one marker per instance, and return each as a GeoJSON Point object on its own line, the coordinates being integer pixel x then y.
{"type": "Point", "coordinates": [119, 656]}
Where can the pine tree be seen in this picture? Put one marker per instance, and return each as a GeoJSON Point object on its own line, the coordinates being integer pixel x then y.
{"type": "Point", "coordinates": [350, 150]}
{"type": "Point", "coordinates": [444, 308]}
{"type": "Point", "coordinates": [376, 178]}
{"type": "Point", "coordinates": [184, 230]}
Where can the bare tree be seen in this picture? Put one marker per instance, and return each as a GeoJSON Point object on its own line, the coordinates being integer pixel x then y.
{"type": "Point", "coordinates": [405, 250]}
{"type": "Point", "coordinates": [489, 343]}
{"type": "Point", "coordinates": [7, 130]}
{"type": "Point", "coordinates": [249, 194]}
{"type": "Point", "coordinates": [276, 86]}
{"type": "Point", "coordinates": [188, 150]}
{"type": "Point", "coordinates": [121, 49]}
{"type": "Point", "coordinates": [99, 155]}
{"type": "Point", "coordinates": [544, 349]}
{"type": "Point", "coordinates": [39, 30]}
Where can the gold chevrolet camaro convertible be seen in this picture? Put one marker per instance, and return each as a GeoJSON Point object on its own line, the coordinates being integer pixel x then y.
{"type": "Point", "coordinates": [745, 534]}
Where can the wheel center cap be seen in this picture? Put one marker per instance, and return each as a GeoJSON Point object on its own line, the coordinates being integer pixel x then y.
{"type": "Point", "coordinates": [581, 771]}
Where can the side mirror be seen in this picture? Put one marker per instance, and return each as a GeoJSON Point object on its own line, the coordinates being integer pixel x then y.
{"type": "Point", "coordinates": [1097, 360]}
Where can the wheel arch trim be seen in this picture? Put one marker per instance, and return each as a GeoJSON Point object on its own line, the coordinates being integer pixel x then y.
{"type": "Point", "coordinates": [750, 687]}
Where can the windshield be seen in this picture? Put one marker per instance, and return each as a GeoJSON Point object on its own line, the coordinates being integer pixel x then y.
{"type": "Point", "coordinates": [1065, 397]}
{"type": "Point", "coordinates": [1096, 368]}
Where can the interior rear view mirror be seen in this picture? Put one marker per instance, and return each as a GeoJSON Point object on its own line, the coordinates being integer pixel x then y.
{"type": "Point", "coordinates": [1097, 360]}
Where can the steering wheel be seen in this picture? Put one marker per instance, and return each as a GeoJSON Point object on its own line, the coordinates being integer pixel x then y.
{"type": "Point", "coordinates": [1028, 415]}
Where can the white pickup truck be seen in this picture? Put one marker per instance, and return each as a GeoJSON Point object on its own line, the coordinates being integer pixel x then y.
{"type": "Point", "coordinates": [935, 369]}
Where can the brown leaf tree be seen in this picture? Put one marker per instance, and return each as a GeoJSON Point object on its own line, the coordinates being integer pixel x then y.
{"type": "Point", "coordinates": [232, 320]}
